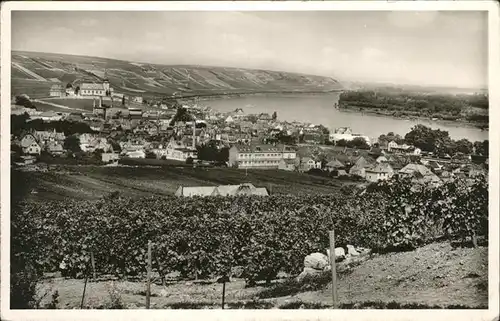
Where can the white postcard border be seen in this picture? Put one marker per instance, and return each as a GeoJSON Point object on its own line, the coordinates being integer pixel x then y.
{"type": "Point", "coordinates": [494, 83]}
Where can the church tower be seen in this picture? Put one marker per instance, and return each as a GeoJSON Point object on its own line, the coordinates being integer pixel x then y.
{"type": "Point", "coordinates": [105, 84]}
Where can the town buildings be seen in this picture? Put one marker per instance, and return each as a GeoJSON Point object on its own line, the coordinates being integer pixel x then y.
{"type": "Point", "coordinates": [304, 164]}
{"type": "Point", "coordinates": [345, 133]}
{"type": "Point", "coordinates": [30, 145]}
{"type": "Point", "coordinates": [57, 90]}
{"type": "Point", "coordinates": [419, 173]}
{"type": "Point", "coordinates": [259, 155]}
{"type": "Point", "coordinates": [378, 172]}
{"type": "Point", "coordinates": [96, 89]}
{"type": "Point", "coordinates": [394, 147]}
{"type": "Point", "coordinates": [254, 142]}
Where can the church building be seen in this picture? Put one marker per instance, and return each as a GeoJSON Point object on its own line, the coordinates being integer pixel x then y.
{"type": "Point", "coordinates": [96, 89]}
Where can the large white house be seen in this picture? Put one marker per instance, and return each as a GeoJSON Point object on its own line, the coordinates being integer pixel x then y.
{"type": "Point", "coordinates": [260, 156]}
{"type": "Point", "coordinates": [180, 152]}
{"type": "Point", "coordinates": [96, 89]}
{"type": "Point", "coordinates": [345, 133]}
{"type": "Point", "coordinates": [378, 172]}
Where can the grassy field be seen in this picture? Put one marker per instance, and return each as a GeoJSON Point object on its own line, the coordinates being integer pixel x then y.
{"type": "Point", "coordinates": [434, 276]}
{"type": "Point", "coordinates": [85, 104]}
{"type": "Point", "coordinates": [91, 182]}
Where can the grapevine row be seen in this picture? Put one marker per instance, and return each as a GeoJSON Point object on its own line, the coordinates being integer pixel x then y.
{"type": "Point", "coordinates": [203, 237]}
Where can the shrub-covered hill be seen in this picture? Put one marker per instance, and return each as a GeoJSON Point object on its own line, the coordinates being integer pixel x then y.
{"type": "Point", "coordinates": [33, 73]}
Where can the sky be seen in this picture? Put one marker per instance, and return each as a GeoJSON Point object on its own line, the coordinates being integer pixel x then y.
{"type": "Point", "coordinates": [447, 48]}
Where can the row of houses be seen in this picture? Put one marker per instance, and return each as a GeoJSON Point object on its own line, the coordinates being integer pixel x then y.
{"type": "Point", "coordinates": [86, 89]}
{"type": "Point", "coordinates": [384, 167]}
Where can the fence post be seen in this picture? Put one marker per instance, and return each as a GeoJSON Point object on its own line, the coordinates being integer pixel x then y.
{"type": "Point", "coordinates": [223, 292]}
{"type": "Point", "coordinates": [94, 275]}
{"type": "Point", "coordinates": [333, 269]}
{"type": "Point", "coordinates": [223, 279]}
{"type": "Point", "coordinates": [148, 288]}
{"type": "Point", "coordinates": [85, 285]}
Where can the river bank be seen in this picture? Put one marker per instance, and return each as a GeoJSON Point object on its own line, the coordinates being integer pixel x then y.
{"type": "Point", "coordinates": [354, 110]}
{"type": "Point", "coordinates": [379, 113]}
{"type": "Point", "coordinates": [320, 109]}
{"type": "Point", "coordinates": [211, 97]}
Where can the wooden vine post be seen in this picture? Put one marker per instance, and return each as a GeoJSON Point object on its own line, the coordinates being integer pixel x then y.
{"type": "Point", "coordinates": [223, 280]}
{"type": "Point", "coordinates": [333, 269]}
{"type": "Point", "coordinates": [92, 260]}
{"type": "Point", "coordinates": [85, 285]}
{"type": "Point", "coordinates": [148, 286]}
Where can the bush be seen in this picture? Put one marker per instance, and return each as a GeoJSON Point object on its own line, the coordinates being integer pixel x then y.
{"type": "Point", "coordinates": [23, 286]}
{"type": "Point", "coordinates": [26, 256]}
{"type": "Point", "coordinates": [25, 102]}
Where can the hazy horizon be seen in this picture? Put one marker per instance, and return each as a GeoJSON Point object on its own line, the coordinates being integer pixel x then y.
{"type": "Point", "coordinates": [446, 49]}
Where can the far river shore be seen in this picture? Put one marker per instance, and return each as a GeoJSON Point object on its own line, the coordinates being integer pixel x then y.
{"type": "Point", "coordinates": [457, 123]}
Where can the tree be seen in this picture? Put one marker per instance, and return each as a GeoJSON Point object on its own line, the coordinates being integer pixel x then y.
{"type": "Point", "coordinates": [223, 155]}
{"type": "Point", "coordinates": [341, 143]}
{"type": "Point", "coordinates": [150, 155]}
{"type": "Point", "coordinates": [284, 138]}
{"type": "Point", "coordinates": [18, 123]}
{"type": "Point", "coordinates": [252, 118]}
{"type": "Point", "coordinates": [98, 154]}
{"type": "Point", "coordinates": [24, 101]}
{"type": "Point", "coordinates": [481, 148]}
{"type": "Point", "coordinates": [275, 116]}
{"type": "Point", "coordinates": [72, 143]}
{"type": "Point", "coordinates": [115, 146]}
{"type": "Point", "coordinates": [181, 115]}
{"type": "Point", "coordinates": [390, 137]}
{"type": "Point", "coordinates": [16, 149]}
{"type": "Point", "coordinates": [427, 139]}
{"type": "Point", "coordinates": [463, 146]}
{"type": "Point", "coordinates": [360, 142]}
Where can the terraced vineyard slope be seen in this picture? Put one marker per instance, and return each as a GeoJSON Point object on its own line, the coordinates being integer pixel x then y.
{"type": "Point", "coordinates": [33, 73]}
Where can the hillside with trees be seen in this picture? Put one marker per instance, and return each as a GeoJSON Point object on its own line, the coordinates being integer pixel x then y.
{"type": "Point", "coordinates": [459, 107]}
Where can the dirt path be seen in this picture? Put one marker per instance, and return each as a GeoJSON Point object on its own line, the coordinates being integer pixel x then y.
{"type": "Point", "coordinates": [29, 72]}
{"type": "Point", "coordinates": [56, 105]}
{"type": "Point", "coordinates": [435, 275]}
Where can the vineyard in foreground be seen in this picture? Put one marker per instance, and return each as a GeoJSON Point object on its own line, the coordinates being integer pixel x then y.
{"type": "Point", "coordinates": [203, 237]}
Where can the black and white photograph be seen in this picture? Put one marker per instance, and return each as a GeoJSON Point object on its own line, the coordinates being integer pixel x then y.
{"type": "Point", "coordinates": [238, 157]}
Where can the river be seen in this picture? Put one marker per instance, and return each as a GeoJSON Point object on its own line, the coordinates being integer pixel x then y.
{"type": "Point", "coordinates": [318, 109]}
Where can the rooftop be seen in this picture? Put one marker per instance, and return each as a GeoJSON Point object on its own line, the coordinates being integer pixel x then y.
{"type": "Point", "coordinates": [91, 86]}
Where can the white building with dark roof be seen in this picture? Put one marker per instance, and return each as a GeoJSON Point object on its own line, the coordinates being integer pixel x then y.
{"type": "Point", "coordinates": [259, 156]}
{"type": "Point", "coordinates": [56, 90]}
{"type": "Point", "coordinates": [221, 190]}
{"type": "Point", "coordinates": [378, 172]}
{"type": "Point", "coordinates": [419, 173]}
{"type": "Point", "coordinates": [96, 89]}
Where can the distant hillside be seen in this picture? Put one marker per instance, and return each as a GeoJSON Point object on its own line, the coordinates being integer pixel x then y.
{"type": "Point", "coordinates": [33, 74]}
{"type": "Point", "coordinates": [391, 87]}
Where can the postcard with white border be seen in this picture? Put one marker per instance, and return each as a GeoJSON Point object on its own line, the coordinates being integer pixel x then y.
{"type": "Point", "coordinates": [317, 160]}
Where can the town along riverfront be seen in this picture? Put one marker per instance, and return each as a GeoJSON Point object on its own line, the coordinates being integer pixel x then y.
{"type": "Point", "coordinates": [320, 109]}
